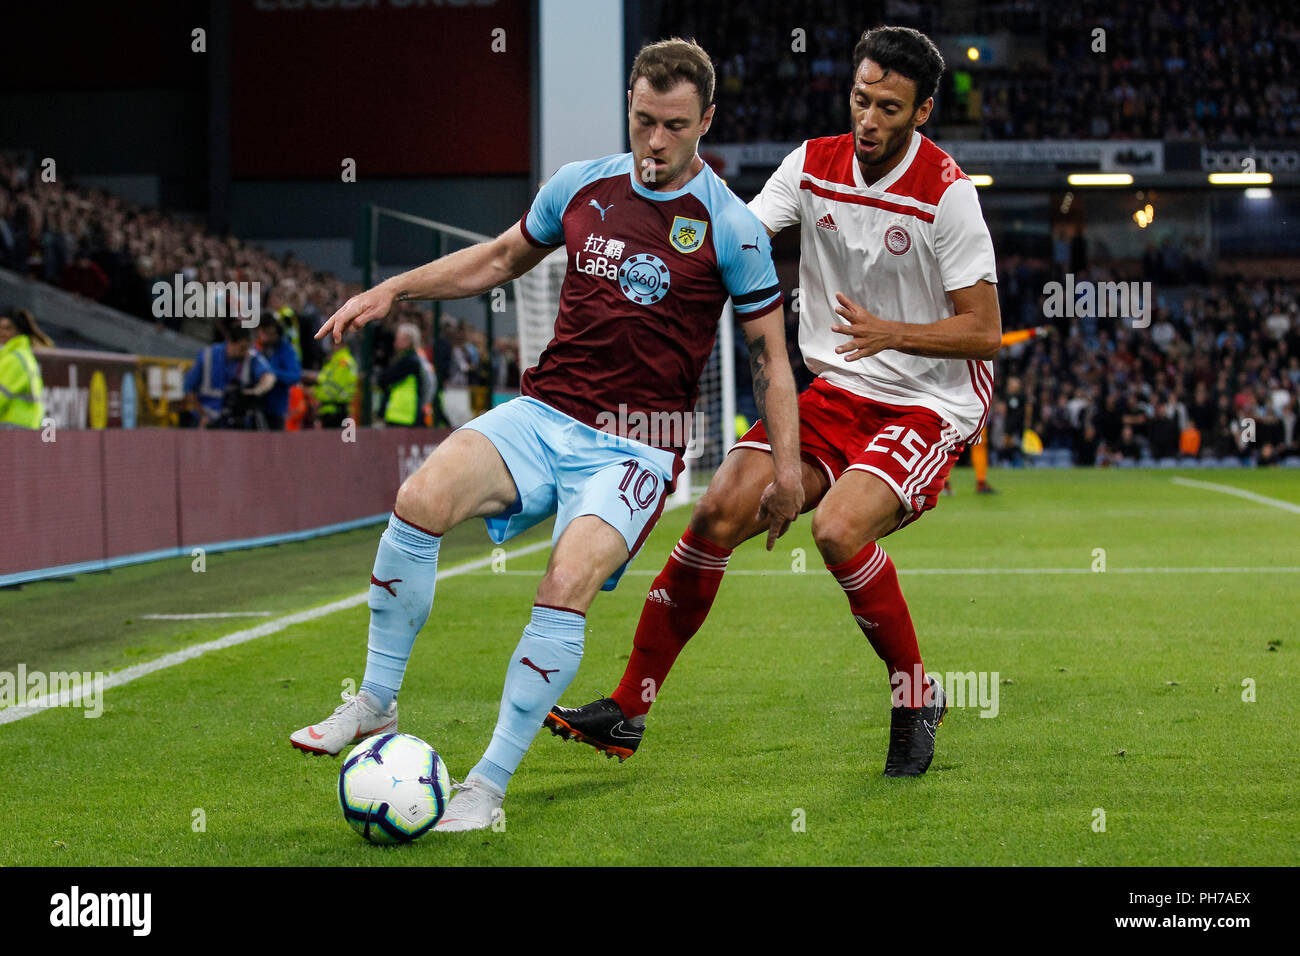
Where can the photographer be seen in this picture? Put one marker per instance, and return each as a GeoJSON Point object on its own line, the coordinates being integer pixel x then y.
{"type": "Point", "coordinates": [225, 385]}
{"type": "Point", "coordinates": [283, 360]}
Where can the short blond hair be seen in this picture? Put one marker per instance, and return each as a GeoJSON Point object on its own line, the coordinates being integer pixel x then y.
{"type": "Point", "coordinates": [669, 62]}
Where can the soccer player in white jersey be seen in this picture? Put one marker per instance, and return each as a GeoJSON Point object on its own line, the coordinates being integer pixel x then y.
{"type": "Point", "coordinates": [899, 320]}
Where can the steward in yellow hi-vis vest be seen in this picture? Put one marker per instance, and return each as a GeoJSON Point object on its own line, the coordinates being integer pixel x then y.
{"type": "Point", "coordinates": [289, 328]}
{"type": "Point", "coordinates": [335, 386]}
{"type": "Point", "coordinates": [402, 379]}
{"type": "Point", "coordinates": [21, 388]}
{"type": "Point", "coordinates": [403, 399]}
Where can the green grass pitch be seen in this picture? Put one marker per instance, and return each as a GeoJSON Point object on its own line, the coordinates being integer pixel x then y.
{"type": "Point", "coordinates": [1119, 691]}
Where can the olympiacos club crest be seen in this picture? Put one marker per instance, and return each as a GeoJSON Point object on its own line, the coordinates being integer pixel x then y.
{"type": "Point", "coordinates": [897, 240]}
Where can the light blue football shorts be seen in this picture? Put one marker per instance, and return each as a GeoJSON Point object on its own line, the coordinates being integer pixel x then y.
{"type": "Point", "coordinates": [565, 468]}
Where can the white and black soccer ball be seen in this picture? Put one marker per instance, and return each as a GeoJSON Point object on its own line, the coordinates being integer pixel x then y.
{"type": "Point", "coordinates": [393, 788]}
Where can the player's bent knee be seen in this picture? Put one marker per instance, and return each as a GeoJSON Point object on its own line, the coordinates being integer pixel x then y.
{"type": "Point", "coordinates": [421, 503]}
{"type": "Point", "coordinates": [706, 516]}
{"type": "Point", "coordinates": [837, 537]}
{"type": "Point", "coordinates": [566, 586]}
{"type": "Point", "coordinates": [715, 519]}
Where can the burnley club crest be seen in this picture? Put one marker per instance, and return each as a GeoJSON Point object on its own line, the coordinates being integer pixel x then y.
{"type": "Point", "coordinates": [687, 235]}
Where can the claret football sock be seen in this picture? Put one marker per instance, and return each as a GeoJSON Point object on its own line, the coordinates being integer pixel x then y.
{"type": "Point", "coordinates": [678, 602]}
{"type": "Point", "coordinates": [541, 667]}
{"type": "Point", "coordinates": [401, 596]}
{"type": "Point", "coordinates": [870, 581]}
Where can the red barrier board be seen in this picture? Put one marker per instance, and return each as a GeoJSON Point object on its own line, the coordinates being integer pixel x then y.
{"type": "Point", "coordinates": [106, 496]}
{"type": "Point", "coordinates": [52, 509]}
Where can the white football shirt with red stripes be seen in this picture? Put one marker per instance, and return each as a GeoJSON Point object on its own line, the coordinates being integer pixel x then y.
{"type": "Point", "coordinates": [896, 247]}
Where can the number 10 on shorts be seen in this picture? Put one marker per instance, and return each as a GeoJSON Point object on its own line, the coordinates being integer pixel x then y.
{"type": "Point", "coordinates": [643, 485]}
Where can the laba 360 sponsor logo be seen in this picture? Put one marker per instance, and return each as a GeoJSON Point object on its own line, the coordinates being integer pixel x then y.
{"type": "Point", "coordinates": [643, 279]}
{"type": "Point", "coordinates": [55, 689]}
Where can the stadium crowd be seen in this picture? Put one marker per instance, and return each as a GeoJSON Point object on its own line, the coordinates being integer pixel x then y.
{"type": "Point", "coordinates": [109, 250]}
{"type": "Point", "coordinates": [1210, 70]}
{"type": "Point", "coordinates": [256, 379]}
{"type": "Point", "coordinates": [112, 251]}
{"type": "Point", "coordinates": [1215, 376]}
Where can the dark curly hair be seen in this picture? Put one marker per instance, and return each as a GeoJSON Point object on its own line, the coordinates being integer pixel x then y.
{"type": "Point", "coordinates": [907, 52]}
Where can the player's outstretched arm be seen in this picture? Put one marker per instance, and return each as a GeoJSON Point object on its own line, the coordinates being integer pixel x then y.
{"type": "Point", "coordinates": [464, 273]}
{"type": "Point", "coordinates": [974, 332]}
{"type": "Point", "coordinates": [778, 406]}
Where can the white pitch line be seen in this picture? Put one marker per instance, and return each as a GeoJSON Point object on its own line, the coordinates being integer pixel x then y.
{"type": "Point", "coordinates": [118, 678]}
{"type": "Point", "coordinates": [1239, 492]}
{"type": "Point", "coordinates": [203, 616]}
{"type": "Point", "coordinates": [1267, 569]}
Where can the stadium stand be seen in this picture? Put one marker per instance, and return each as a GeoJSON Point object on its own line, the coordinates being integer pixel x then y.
{"type": "Point", "coordinates": [112, 251]}
{"type": "Point", "coordinates": [1193, 79]}
{"type": "Point", "coordinates": [1204, 70]}
{"type": "Point", "coordinates": [1223, 356]}
{"type": "Point", "coordinates": [94, 256]}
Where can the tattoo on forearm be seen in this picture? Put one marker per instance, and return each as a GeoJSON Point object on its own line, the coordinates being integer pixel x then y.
{"type": "Point", "coordinates": [758, 368]}
{"type": "Point", "coordinates": [402, 296]}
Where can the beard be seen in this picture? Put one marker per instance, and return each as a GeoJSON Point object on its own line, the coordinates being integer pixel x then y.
{"type": "Point", "coordinates": [886, 152]}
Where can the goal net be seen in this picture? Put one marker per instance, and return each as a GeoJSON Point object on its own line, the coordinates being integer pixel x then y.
{"type": "Point", "coordinates": [537, 297]}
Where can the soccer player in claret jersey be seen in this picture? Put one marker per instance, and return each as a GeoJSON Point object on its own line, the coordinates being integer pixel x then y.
{"type": "Point", "coordinates": [656, 244]}
{"type": "Point", "coordinates": [900, 322]}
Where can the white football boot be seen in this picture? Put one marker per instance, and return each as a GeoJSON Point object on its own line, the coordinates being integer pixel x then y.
{"type": "Point", "coordinates": [353, 720]}
{"type": "Point", "coordinates": [475, 805]}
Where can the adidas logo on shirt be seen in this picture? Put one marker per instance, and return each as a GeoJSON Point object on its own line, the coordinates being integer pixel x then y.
{"type": "Point", "coordinates": [826, 222]}
{"type": "Point", "coordinates": [660, 596]}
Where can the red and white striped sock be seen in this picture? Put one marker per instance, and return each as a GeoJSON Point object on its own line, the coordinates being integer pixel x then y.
{"type": "Point", "coordinates": [870, 581]}
{"type": "Point", "coordinates": [678, 602]}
